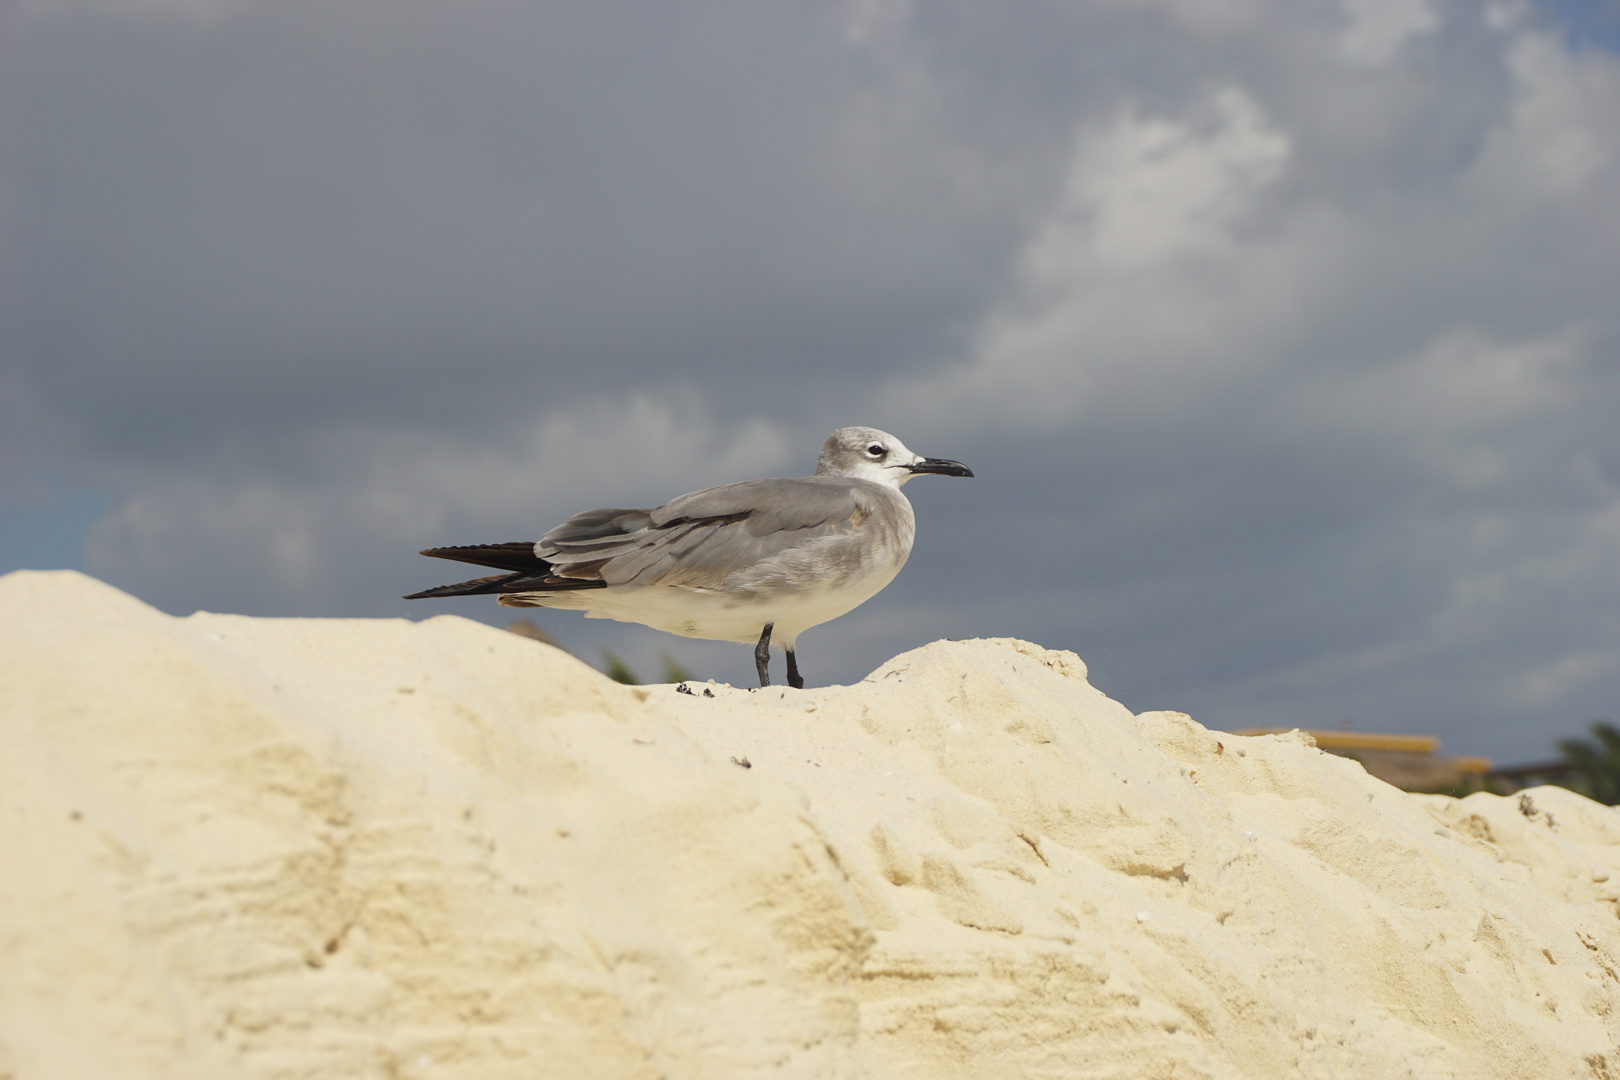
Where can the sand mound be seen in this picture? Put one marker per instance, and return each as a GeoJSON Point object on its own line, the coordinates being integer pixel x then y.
{"type": "Point", "coordinates": [243, 847]}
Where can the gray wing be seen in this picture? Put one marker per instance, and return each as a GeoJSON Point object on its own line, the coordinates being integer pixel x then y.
{"type": "Point", "coordinates": [698, 540]}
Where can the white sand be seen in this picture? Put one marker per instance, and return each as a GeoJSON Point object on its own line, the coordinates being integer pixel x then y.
{"type": "Point", "coordinates": [239, 847]}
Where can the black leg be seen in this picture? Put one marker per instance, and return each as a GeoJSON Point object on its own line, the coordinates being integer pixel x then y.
{"type": "Point", "coordinates": [795, 680]}
{"type": "Point", "coordinates": [762, 655]}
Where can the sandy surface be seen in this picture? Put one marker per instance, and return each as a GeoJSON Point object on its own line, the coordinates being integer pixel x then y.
{"type": "Point", "coordinates": [240, 847]}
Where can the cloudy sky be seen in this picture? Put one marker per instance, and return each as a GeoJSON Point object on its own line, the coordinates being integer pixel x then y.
{"type": "Point", "coordinates": [1282, 335]}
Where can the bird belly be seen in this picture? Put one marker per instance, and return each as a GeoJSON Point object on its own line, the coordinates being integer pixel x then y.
{"type": "Point", "coordinates": [719, 616]}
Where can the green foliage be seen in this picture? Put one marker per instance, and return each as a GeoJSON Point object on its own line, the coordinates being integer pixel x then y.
{"type": "Point", "coordinates": [674, 670]}
{"type": "Point", "coordinates": [1596, 762]}
{"type": "Point", "coordinates": [614, 667]}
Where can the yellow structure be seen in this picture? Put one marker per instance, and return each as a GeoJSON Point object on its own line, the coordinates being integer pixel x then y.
{"type": "Point", "coordinates": [1407, 761]}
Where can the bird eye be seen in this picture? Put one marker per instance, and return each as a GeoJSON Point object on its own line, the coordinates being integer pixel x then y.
{"type": "Point", "coordinates": [876, 449]}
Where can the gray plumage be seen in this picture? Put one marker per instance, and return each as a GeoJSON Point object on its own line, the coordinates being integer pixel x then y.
{"type": "Point", "coordinates": [730, 563]}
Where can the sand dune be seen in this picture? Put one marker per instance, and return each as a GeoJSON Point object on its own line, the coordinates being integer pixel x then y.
{"type": "Point", "coordinates": [241, 847]}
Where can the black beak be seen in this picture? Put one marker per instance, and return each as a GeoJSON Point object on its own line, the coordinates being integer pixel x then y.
{"type": "Point", "coordinates": [941, 467]}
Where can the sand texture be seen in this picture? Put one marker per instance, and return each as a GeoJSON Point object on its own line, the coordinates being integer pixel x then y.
{"type": "Point", "coordinates": [238, 847]}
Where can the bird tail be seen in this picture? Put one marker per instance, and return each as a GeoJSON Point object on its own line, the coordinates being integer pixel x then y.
{"type": "Point", "coordinates": [527, 572]}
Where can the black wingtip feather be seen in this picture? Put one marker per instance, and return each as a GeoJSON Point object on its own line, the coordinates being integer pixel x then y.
{"type": "Point", "coordinates": [476, 587]}
{"type": "Point", "coordinates": [516, 555]}
{"type": "Point", "coordinates": [520, 582]}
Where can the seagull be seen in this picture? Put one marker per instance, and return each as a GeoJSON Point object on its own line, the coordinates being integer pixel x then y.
{"type": "Point", "coordinates": [747, 562]}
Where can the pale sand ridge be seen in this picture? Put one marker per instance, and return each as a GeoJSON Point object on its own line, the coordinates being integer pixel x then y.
{"type": "Point", "coordinates": [238, 847]}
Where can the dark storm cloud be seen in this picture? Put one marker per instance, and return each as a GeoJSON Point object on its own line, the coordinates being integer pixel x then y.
{"type": "Point", "coordinates": [302, 214]}
{"type": "Point", "coordinates": [1279, 335]}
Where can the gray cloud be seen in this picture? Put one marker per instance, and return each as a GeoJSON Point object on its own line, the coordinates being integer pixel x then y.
{"type": "Point", "coordinates": [1279, 335]}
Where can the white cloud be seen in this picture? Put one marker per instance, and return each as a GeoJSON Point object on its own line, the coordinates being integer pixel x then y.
{"type": "Point", "coordinates": [1186, 253]}
{"type": "Point", "coordinates": [1202, 18]}
{"type": "Point", "coordinates": [1448, 412]}
{"type": "Point", "coordinates": [1146, 191]}
{"type": "Point", "coordinates": [1559, 140]}
{"type": "Point", "coordinates": [1129, 282]}
{"type": "Point", "coordinates": [1379, 28]}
